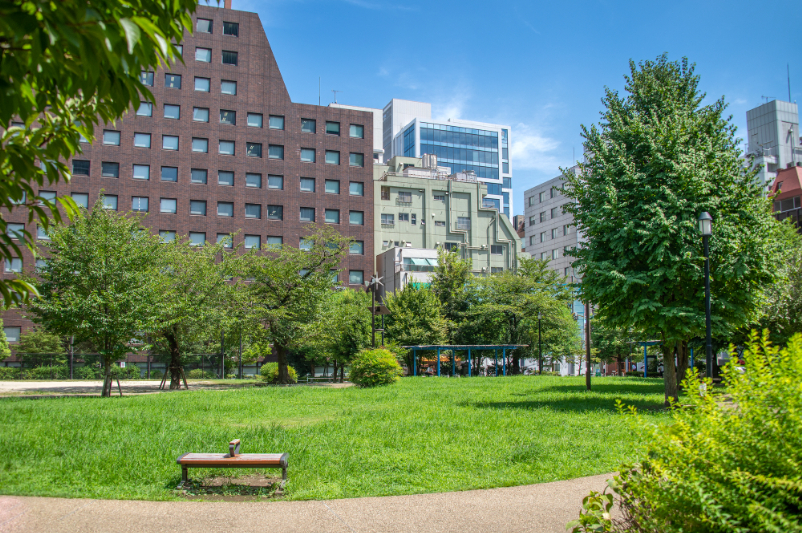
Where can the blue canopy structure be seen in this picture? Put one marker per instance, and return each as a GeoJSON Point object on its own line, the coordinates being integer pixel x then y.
{"type": "Point", "coordinates": [469, 347]}
{"type": "Point", "coordinates": [646, 357]}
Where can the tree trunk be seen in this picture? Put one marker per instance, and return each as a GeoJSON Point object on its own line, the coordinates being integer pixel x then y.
{"type": "Point", "coordinates": [342, 373]}
{"type": "Point", "coordinates": [682, 362]}
{"type": "Point", "coordinates": [281, 355]}
{"type": "Point", "coordinates": [175, 362]}
{"type": "Point", "coordinates": [106, 380]}
{"type": "Point", "coordinates": [516, 365]}
{"type": "Point", "coordinates": [669, 372]}
{"type": "Point", "coordinates": [334, 374]}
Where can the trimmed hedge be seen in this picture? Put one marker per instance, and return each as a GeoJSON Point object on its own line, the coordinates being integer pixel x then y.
{"type": "Point", "coordinates": [8, 373]}
{"type": "Point", "coordinates": [371, 368]}
{"type": "Point", "coordinates": [199, 374]}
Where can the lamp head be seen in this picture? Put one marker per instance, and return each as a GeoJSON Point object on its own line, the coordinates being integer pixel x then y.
{"type": "Point", "coordinates": [705, 224]}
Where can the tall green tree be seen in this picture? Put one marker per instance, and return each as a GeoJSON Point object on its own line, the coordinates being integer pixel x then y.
{"type": "Point", "coordinates": [65, 67]}
{"type": "Point", "coordinates": [506, 307]}
{"type": "Point", "coordinates": [343, 328]}
{"type": "Point", "coordinates": [451, 284]}
{"type": "Point", "coordinates": [40, 347]}
{"type": "Point", "coordinates": [288, 285]}
{"type": "Point", "coordinates": [100, 283]}
{"type": "Point", "coordinates": [658, 159]}
{"type": "Point", "coordinates": [782, 313]}
{"type": "Point", "coordinates": [194, 299]}
{"type": "Point", "coordinates": [416, 318]}
{"type": "Point", "coordinates": [613, 343]}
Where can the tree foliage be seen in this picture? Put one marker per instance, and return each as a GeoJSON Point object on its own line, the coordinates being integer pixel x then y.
{"type": "Point", "coordinates": [40, 347]}
{"type": "Point", "coordinates": [505, 309]}
{"type": "Point", "coordinates": [658, 159]}
{"type": "Point", "coordinates": [451, 284]}
{"type": "Point", "coordinates": [343, 329]}
{"type": "Point", "coordinates": [5, 351]}
{"type": "Point", "coordinates": [288, 285]}
{"type": "Point", "coordinates": [194, 298]}
{"type": "Point", "coordinates": [416, 317]}
{"type": "Point", "coordinates": [65, 67]}
{"type": "Point", "coordinates": [100, 282]}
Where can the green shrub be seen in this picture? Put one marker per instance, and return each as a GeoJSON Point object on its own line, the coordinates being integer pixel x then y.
{"type": "Point", "coordinates": [199, 374]}
{"type": "Point", "coordinates": [86, 372]}
{"type": "Point", "coordinates": [45, 372]}
{"type": "Point", "coordinates": [9, 372]}
{"type": "Point", "coordinates": [728, 463]}
{"type": "Point", "coordinates": [156, 374]}
{"type": "Point", "coordinates": [270, 373]}
{"type": "Point", "coordinates": [632, 374]}
{"type": "Point", "coordinates": [129, 372]}
{"type": "Point", "coordinates": [370, 368]}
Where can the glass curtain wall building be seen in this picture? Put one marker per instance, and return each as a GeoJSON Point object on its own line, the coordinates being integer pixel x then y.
{"type": "Point", "coordinates": [464, 146]}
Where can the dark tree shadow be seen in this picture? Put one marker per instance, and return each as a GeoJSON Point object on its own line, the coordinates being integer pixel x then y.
{"type": "Point", "coordinates": [569, 405]}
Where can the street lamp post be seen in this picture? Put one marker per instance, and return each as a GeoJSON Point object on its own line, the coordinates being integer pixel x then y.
{"type": "Point", "coordinates": [706, 229]}
{"type": "Point", "coordinates": [539, 346]}
{"type": "Point", "coordinates": [373, 286]}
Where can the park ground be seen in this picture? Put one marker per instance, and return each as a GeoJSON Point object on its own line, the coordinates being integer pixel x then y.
{"type": "Point", "coordinates": [421, 435]}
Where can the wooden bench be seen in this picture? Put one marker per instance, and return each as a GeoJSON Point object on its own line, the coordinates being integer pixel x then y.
{"type": "Point", "coordinates": [233, 459]}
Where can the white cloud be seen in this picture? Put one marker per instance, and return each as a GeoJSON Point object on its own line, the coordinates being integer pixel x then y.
{"type": "Point", "coordinates": [739, 101]}
{"type": "Point", "coordinates": [453, 106]}
{"type": "Point", "coordinates": [533, 150]}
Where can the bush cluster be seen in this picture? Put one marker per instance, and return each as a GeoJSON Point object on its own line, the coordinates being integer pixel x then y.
{"type": "Point", "coordinates": [129, 372]}
{"type": "Point", "coordinates": [270, 373]}
{"type": "Point", "coordinates": [45, 372]}
{"type": "Point", "coordinates": [373, 367]}
{"type": "Point", "coordinates": [728, 463]}
{"type": "Point", "coordinates": [9, 372]}
{"type": "Point", "coordinates": [156, 374]}
{"type": "Point", "coordinates": [197, 373]}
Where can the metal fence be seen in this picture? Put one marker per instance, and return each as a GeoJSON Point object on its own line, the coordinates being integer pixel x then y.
{"type": "Point", "coordinates": [90, 366]}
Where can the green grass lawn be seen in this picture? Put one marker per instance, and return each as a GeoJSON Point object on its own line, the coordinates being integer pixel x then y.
{"type": "Point", "coordinates": [419, 435]}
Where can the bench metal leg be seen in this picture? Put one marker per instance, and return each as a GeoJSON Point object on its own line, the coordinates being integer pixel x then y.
{"type": "Point", "coordinates": [184, 477]}
{"type": "Point", "coordinates": [283, 478]}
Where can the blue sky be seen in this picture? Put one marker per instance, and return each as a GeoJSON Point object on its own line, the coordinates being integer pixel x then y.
{"type": "Point", "coordinates": [540, 67]}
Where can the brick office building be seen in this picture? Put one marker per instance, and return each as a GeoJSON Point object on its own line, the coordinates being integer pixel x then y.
{"type": "Point", "coordinates": [224, 149]}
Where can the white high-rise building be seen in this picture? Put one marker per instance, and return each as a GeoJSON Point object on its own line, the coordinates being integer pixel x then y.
{"type": "Point", "coordinates": [773, 137]}
{"type": "Point", "coordinates": [462, 145]}
{"type": "Point", "coordinates": [378, 150]}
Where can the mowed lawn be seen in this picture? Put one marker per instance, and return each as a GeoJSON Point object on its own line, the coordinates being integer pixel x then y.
{"type": "Point", "coordinates": [419, 435]}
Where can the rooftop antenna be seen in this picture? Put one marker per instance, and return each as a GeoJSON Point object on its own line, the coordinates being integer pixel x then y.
{"type": "Point", "coordinates": [318, 90]}
{"type": "Point", "coordinates": [788, 66]}
{"type": "Point", "coordinates": [768, 98]}
{"type": "Point", "coordinates": [335, 91]}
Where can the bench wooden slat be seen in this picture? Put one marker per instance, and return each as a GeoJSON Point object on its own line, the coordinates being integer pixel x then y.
{"type": "Point", "coordinates": [223, 459]}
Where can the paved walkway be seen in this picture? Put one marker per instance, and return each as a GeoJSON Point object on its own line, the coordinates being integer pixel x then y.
{"type": "Point", "coordinates": [533, 508]}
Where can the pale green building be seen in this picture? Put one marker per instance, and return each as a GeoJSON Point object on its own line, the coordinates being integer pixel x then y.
{"type": "Point", "coordinates": [422, 206]}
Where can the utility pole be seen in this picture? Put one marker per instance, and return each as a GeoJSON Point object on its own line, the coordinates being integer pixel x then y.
{"type": "Point", "coordinates": [72, 354]}
{"type": "Point", "coordinates": [587, 345]}
{"type": "Point", "coordinates": [539, 347]}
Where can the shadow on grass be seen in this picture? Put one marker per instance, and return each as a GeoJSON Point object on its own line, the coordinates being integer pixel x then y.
{"type": "Point", "coordinates": [640, 387]}
{"type": "Point", "coordinates": [569, 405]}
